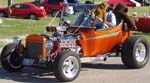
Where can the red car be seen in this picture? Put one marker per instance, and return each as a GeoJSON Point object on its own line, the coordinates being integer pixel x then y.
{"type": "Point", "coordinates": [24, 10]}
{"type": "Point", "coordinates": [143, 24]}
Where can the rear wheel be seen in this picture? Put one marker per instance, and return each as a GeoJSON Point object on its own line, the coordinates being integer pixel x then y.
{"type": "Point", "coordinates": [33, 16]}
{"type": "Point", "coordinates": [2, 14]}
{"type": "Point", "coordinates": [135, 52]}
{"type": "Point", "coordinates": [55, 13]}
{"type": "Point", "coordinates": [67, 66]}
{"type": "Point", "coordinates": [10, 59]}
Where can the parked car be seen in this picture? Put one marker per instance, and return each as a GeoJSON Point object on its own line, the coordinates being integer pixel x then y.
{"type": "Point", "coordinates": [24, 10]}
{"type": "Point", "coordinates": [70, 45]}
{"type": "Point", "coordinates": [53, 6]}
{"type": "Point", "coordinates": [143, 24]}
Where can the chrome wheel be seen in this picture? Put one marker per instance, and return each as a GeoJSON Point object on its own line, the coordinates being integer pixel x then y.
{"type": "Point", "coordinates": [70, 67]}
{"type": "Point", "coordinates": [135, 52]}
{"type": "Point", "coordinates": [140, 52]}
{"type": "Point", "coordinates": [67, 66]}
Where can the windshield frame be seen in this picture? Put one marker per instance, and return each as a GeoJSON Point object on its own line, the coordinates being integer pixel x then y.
{"type": "Point", "coordinates": [81, 7]}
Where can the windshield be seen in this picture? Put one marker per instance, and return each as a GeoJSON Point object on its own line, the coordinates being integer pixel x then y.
{"type": "Point", "coordinates": [39, 1]}
{"type": "Point", "coordinates": [83, 17]}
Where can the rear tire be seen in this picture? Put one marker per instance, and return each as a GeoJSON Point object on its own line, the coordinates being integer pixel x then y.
{"type": "Point", "coordinates": [67, 66]}
{"type": "Point", "coordinates": [10, 59]}
{"type": "Point", "coordinates": [54, 12]}
{"type": "Point", "coordinates": [135, 52]}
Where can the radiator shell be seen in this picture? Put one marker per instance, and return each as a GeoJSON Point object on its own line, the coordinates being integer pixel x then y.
{"type": "Point", "coordinates": [35, 46]}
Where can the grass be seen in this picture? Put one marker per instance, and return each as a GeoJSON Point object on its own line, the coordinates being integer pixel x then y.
{"type": "Point", "coordinates": [97, 1]}
{"type": "Point", "coordinates": [140, 10]}
{"type": "Point", "coordinates": [2, 45]}
{"type": "Point", "coordinates": [5, 2]}
{"type": "Point", "coordinates": [12, 27]}
{"type": "Point", "coordinates": [146, 35]}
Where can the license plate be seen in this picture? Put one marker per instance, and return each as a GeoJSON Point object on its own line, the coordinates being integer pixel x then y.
{"type": "Point", "coordinates": [28, 62]}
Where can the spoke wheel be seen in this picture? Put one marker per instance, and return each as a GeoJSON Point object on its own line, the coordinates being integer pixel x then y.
{"type": "Point", "coordinates": [140, 52]}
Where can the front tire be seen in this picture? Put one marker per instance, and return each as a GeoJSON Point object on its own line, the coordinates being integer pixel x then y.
{"type": "Point", "coordinates": [33, 16]}
{"type": "Point", "coordinates": [67, 66]}
{"type": "Point", "coordinates": [135, 52]}
{"type": "Point", "coordinates": [2, 14]}
{"type": "Point", "coordinates": [10, 59]}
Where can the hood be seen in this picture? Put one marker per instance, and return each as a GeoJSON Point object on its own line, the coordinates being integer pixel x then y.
{"type": "Point", "coordinates": [3, 8]}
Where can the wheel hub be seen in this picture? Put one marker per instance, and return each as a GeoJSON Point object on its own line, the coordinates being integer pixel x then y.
{"type": "Point", "coordinates": [140, 52]}
{"type": "Point", "coordinates": [70, 66]}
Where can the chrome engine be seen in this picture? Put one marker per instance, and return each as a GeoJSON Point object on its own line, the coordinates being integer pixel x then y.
{"type": "Point", "coordinates": [67, 42]}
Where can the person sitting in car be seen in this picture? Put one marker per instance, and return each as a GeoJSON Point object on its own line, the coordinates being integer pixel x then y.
{"type": "Point", "coordinates": [121, 13]}
{"type": "Point", "coordinates": [105, 18]}
{"type": "Point", "coordinates": [86, 18]}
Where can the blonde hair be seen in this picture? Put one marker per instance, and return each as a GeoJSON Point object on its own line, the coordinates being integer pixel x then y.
{"type": "Point", "coordinates": [100, 11]}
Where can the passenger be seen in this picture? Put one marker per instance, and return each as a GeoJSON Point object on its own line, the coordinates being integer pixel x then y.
{"type": "Point", "coordinates": [111, 18]}
{"type": "Point", "coordinates": [100, 14]}
{"type": "Point", "coordinates": [120, 12]}
{"type": "Point", "coordinates": [105, 17]}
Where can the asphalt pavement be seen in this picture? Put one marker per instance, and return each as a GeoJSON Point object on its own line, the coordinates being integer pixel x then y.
{"type": "Point", "coordinates": [110, 71]}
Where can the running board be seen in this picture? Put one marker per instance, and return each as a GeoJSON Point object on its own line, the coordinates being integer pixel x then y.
{"type": "Point", "coordinates": [90, 59]}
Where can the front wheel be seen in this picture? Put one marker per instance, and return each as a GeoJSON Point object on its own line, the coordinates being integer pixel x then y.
{"type": "Point", "coordinates": [2, 14]}
{"type": "Point", "coordinates": [33, 16]}
{"type": "Point", "coordinates": [135, 52]}
{"type": "Point", "coordinates": [10, 59]}
{"type": "Point", "coordinates": [67, 66]}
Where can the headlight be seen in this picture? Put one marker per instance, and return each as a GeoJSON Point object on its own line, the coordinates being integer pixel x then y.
{"type": "Point", "coordinates": [16, 40]}
{"type": "Point", "coordinates": [49, 44]}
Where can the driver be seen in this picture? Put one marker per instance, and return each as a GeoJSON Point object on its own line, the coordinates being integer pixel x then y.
{"type": "Point", "coordinates": [86, 18]}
